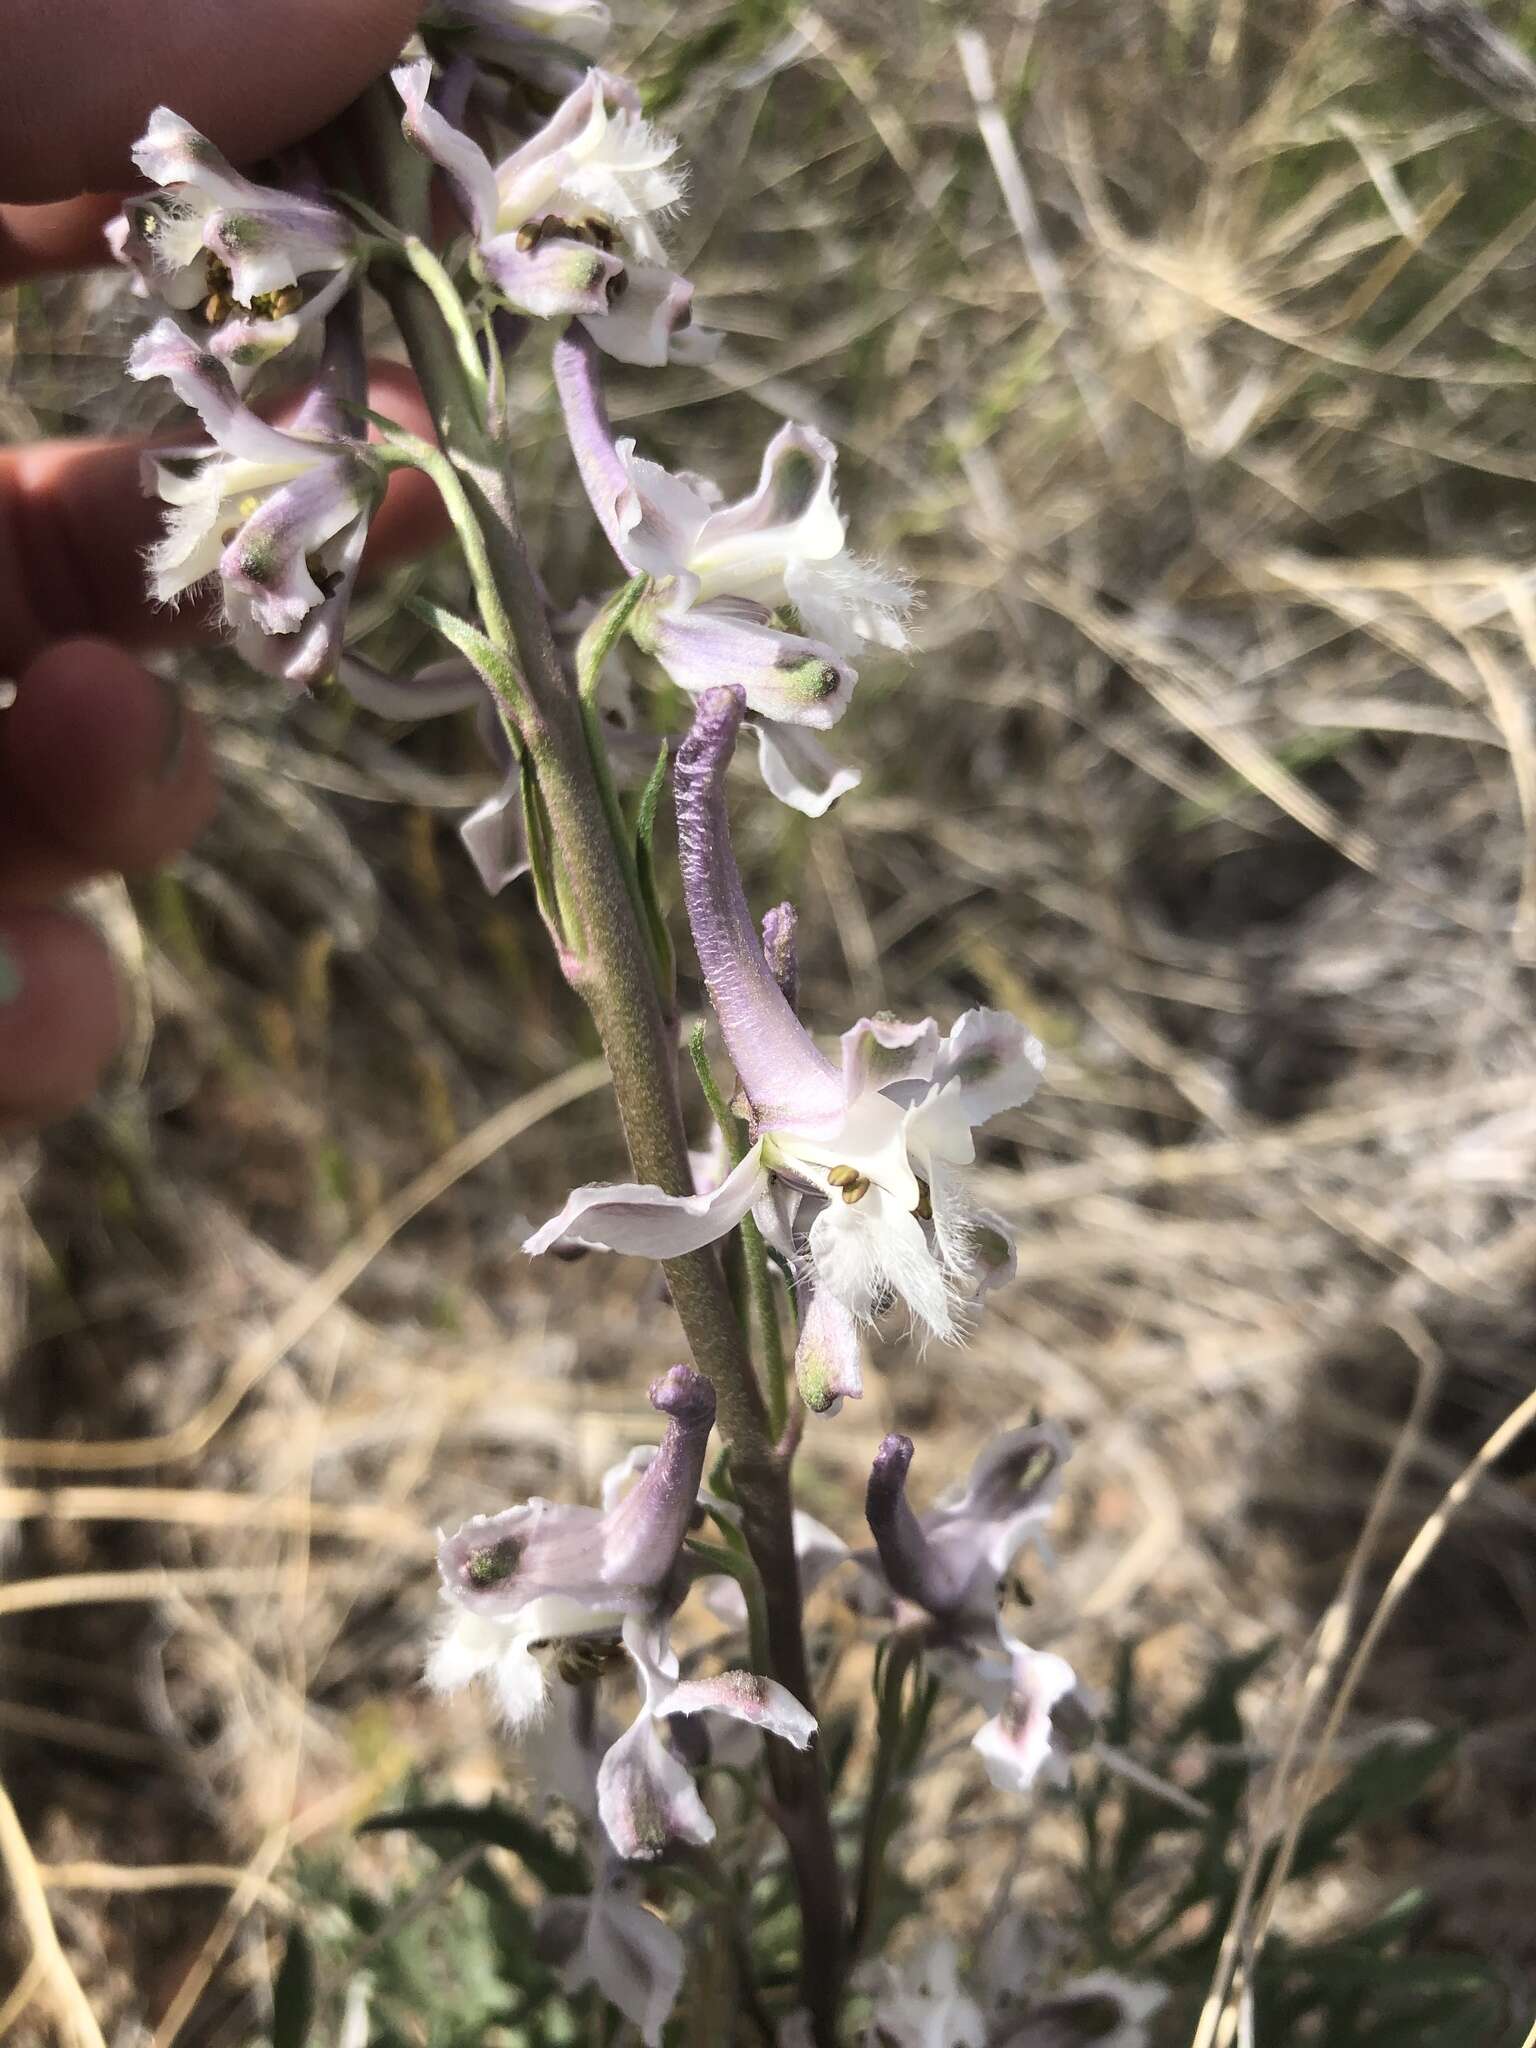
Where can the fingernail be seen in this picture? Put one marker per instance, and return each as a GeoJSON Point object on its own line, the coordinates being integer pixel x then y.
{"type": "Point", "coordinates": [10, 977]}
{"type": "Point", "coordinates": [174, 745]}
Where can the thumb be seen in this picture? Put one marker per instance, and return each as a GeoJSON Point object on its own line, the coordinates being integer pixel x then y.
{"type": "Point", "coordinates": [80, 77]}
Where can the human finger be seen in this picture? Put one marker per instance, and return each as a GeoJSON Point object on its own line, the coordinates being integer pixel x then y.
{"type": "Point", "coordinates": [60, 1014]}
{"type": "Point", "coordinates": [102, 770]}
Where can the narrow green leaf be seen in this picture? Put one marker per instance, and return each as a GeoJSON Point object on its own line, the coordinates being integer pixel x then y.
{"type": "Point", "coordinates": [650, 800]}
{"type": "Point", "coordinates": [541, 859]}
{"type": "Point", "coordinates": [499, 1827]}
{"type": "Point", "coordinates": [492, 664]}
{"type": "Point", "coordinates": [597, 641]}
{"type": "Point", "coordinates": [645, 873]}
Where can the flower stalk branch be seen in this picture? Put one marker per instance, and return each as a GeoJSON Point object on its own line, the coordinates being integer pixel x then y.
{"type": "Point", "coordinates": [619, 984]}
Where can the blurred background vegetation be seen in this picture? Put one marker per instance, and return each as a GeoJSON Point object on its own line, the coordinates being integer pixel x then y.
{"type": "Point", "coordinates": [1184, 351]}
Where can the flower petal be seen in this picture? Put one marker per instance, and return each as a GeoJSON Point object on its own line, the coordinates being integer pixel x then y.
{"type": "Point", "coordinates": [659, 513]}
{"type": "Point", "coordinates": [633, 1958]}
{"type": "Point", "coordinates": [579, 24]}
{"type": "Point", "coordinates": [309, 654]}
{"type": "Point", "coordinates": [461, 157]}
{"type": "Point", "coordinates": [787, 680]}
{"type": "Point", "coordinates": [649, 1224]}
{"type": "Point", "coordinates": [494, 835]}
{"type": "Point", "coordinates": [172, 152]}
{"type": "Point", "coordinates": [646, 1798]}
{"type": "Point", "coordinates": [275, 240]}
{"type": "Point", "coordinates": [604, 475]}
{"type": "Point", "coordinates": [862, 1249]}
{"type": "Point", "coordinates": [444, 686]}
{"type": "Point", "coordinates": [268, 561]}
{"type": "Point", "coordinates": [744, 1696]}
{"type": "Point", "coordinates": [559, 275]}
{"type": "Point", "coordinates": [784, 1075]}
{"type": "Point", "coordinates": [200, 380]}
{"type": "Point", "coordinates": [1105, 2008]}
{"type": "Point", "coordinates": [644, 320]}
{"type": "Point", "coordinates": [1016, 1745]}
{"type": "Point", "coordinates": [644, 1531]}
{"type": "Point", "coordinates": [922, 2004]}
{"type": "Point", "coordinates": [792, 513]}
{"type": "Point", "coordinates": [828, 1364]}
{"type": "Point", "coordinates": [572, 1563]}
{"type": "Point", "coordinates": [850, 603]}
{"type": "Point", "coordinates": [799, 771]}
{"type": "Point", "coordinates": [465, 1648]}
{"type": "Point", "coordinates": [997, 1062]}
{"type": "Point", "coordinates": [994, 1250]}
{"type": "Point", "coordinates": [881, 1050]}
{"type": "Point", "coordinates": [1017, 1473]}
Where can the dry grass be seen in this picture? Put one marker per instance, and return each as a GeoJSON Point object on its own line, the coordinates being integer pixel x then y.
{"type": "Point", "coordinates": [1193, 377]}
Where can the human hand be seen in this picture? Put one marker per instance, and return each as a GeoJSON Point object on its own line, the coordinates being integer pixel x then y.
{"type": "Point", "coordinates": [101, 770]}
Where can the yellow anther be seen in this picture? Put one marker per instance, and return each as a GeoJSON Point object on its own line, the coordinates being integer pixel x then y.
{"type": "Point", "coordinates": [248, 504]}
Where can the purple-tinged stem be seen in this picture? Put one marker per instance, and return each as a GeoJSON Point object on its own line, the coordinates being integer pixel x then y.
{"type": "Point", "coordinates": [620, 987]}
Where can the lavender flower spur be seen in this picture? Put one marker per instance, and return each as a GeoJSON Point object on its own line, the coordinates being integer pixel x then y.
{"type": "Point", "coordinates": [863, 1165]}
{"type": "Point", "coordinates": [246, 268]}
{"type": "Point", "coordinates": [763, 594]}
{"type": "Point", "coordinates": [947, 1569]}
{"type": "Point", "coordinates": [279, 516]}
{"type": "Point", "coordinates": [590, 1587]}
{"type": "Point", "coordinates": [565, 224]}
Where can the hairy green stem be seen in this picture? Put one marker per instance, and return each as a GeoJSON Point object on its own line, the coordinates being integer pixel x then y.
{"type": "Point", "coordinates": [754, 1252]}
{"type": "Point", "coordinates": [437, 281]}
{"type": "Point", "coordinates": [619, 984]}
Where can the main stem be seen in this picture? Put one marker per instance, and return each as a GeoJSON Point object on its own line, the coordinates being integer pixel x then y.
{"type": "Point", "coordinates": [620, 988]}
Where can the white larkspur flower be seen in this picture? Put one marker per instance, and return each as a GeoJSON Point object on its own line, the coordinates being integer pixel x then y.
{"type": "Point", "coordinates": [246, 267]}
{"type": "Point", "coordinates": [1021, 1742]}
{"type": "Point", "coordinates": [946, 1570]}
{"type": "Point", "coordinates": [763, 594]}
{"type": "Point", "coordinates": [278, 516]}
{"type": "Point", "coordinates": [609, 1940]}
{"type": "Point", "coordinates": [921, 2003]}
{"type": "Point", "coordinates": [602, 1584]}
{"type": "Point", "coordinates": [565, 225]}
{"type": "Point", "coordinates": [869, 1157]}
{"type": "Point", "coordinates": [924, 2002]}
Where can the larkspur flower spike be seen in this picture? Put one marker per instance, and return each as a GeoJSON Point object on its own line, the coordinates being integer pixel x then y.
{"type": "Point", "coordinates": [858, 1170]}
{"type": "Point", "coordinates": [246, 268]}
